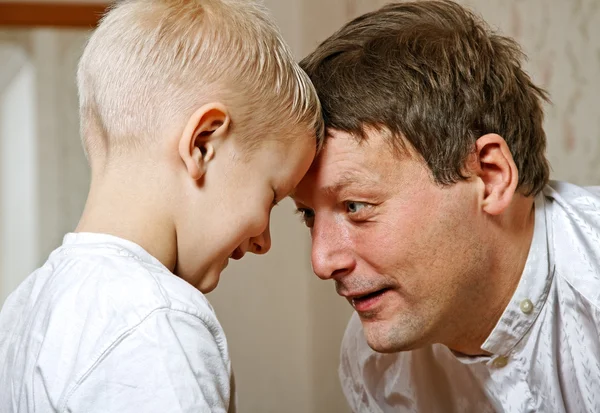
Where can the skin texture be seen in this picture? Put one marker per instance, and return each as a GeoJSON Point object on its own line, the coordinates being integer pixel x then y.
{"type": "Point", "coordinates": [443, 261]}
{"type": "Point", "coordinates": [199, 197]}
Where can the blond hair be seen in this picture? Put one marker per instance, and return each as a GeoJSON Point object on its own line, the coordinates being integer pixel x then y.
{"type": "Point", "coordinates": [151, 63]}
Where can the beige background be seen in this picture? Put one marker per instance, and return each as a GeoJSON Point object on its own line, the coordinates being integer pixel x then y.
{"type": "Point", "coordinates": [284, 325]}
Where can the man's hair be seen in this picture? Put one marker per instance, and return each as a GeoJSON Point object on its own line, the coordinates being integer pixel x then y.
{"type": "Point", "coordinates": [151, 63]}
{"type": "Point", "coordinates": [434, 76]}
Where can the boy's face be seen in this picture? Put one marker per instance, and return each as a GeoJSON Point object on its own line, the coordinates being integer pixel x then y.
{"type": "Point", "coordinates": [239, 190]}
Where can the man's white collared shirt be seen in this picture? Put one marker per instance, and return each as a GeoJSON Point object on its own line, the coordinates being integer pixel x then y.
{"type": "Point", "coordinates": [545, 347]}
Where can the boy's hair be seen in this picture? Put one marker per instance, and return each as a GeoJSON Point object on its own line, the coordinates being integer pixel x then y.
{"type": "Point", "coordinates": [435, 77]}
{"type": "Point", "coordinates": [151, 63]}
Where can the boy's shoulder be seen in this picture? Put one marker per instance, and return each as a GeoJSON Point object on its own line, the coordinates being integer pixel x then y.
{"type": "Point", "coordinates": [85, 302]}
{"type": "Point", "coordinates": [116, 274]}
{"type": "Point", "coordinates": [98, 286]}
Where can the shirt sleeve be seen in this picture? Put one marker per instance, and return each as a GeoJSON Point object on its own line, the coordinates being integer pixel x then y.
{"type": "Point", "coordinates": [171, 362]}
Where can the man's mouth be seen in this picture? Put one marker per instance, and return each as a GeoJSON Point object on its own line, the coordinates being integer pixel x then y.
{"type": "Point", "coordinates": [368, 301]}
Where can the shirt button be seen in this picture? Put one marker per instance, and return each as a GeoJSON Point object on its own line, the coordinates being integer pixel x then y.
{"type": "Point", "coordinates": [500, 361]}
{"type": "Point", "coordinates": [526, 306]}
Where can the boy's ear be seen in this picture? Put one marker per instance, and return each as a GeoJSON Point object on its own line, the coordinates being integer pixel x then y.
{"type": "Point", "coordinates": [205, 129]}
{"type": "Point", "coordinates": [497, 170]}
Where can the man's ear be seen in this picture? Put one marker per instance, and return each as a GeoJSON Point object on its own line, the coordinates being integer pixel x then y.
{"type": "Point", "coordinates": [203, 132]}
{"type": "Point", "coordinates": [497, 171]}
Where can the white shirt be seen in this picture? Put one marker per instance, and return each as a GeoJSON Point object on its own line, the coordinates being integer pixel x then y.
{"type": "Point", "coordinates": [545, 347]}
{"type": "Point", "coordinates": [103, 326]}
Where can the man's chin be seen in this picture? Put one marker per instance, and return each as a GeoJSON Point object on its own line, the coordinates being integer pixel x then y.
{"type": "Point", "coordinates": [387, 339]}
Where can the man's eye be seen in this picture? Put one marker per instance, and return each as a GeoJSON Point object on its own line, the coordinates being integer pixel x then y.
{"type": "Point", "coordinates": [307, 216]}
{"type": "Point", "coordinates": [353, 206]}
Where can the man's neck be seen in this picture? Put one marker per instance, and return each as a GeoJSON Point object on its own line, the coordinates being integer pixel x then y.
{"type": "Point", "coordinates": [505, 270]}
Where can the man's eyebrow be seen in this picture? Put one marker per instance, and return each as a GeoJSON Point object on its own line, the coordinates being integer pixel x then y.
{"type": "Point", "coordinates": [350, 179]}
{"type": "Point", "coordinates": [361, 181]}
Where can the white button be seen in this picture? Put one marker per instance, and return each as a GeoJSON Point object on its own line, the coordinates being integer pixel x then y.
{"type": "Point", "coordinates": [500, 361]}
{"type": "Point", "coordinates": [526, 306]}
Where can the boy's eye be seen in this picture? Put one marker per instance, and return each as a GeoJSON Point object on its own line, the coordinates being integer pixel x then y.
{"type": "Point", "coordinates": [307, 216]}
{"type": "Point", "coordinates": [353, 206]}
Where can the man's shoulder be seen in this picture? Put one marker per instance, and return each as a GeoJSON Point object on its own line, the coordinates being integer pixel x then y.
{"type": "Point", "coordinates": [576, 199]}
{"type": "Point", "coordinates": [575, 237]}
{"type": "Point", "coordinates": [575, 216]}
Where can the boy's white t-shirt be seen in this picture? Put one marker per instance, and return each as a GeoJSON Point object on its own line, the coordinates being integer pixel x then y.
{"type": "Point", "coordinates": [103, 326]}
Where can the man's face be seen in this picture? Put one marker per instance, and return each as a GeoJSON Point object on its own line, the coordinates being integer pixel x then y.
{"type": "Point", "coordinates": [404, 251]}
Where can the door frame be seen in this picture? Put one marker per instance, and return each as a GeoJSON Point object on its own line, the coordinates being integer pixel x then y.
{"type": "Point", "coordinates": [51, 14]}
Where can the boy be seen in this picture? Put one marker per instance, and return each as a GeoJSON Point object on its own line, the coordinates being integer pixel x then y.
{"type": "Point", "coordinates": [195, 120]}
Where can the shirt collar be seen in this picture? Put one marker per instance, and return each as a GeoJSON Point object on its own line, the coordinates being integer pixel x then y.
{"type": "Point", "coordinates": [120, 246]}
{"type": "Point", "coordinates": [532, 290]}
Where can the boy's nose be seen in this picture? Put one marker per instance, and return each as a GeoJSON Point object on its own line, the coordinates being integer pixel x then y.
{"type": "Point", "coordinates": [262, 243]}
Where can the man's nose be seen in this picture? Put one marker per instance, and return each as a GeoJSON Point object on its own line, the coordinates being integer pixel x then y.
{"type": "Point", "coordinates": [262, 243]}
{"type": "Point", "coordinates": [331, 255]}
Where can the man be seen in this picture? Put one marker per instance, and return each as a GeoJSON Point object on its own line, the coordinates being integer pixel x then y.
{"type": "Point", "coordinates": [475, 280]}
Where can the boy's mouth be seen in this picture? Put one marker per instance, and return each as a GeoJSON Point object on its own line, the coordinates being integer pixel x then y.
{"type": "Point", "coordinates": [237, 254]}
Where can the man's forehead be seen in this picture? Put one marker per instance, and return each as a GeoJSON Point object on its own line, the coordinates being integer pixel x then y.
{"type": "Point", "coordinates": [345, 161]}
{"type": "Point", "coordinates": [326, 178]}
{"type": "Point", "coordinates": [344, 152]}
{"type": "Point", "coordinates": [343, 174]}
{"type": "Point", "coordinates": [319, 185]}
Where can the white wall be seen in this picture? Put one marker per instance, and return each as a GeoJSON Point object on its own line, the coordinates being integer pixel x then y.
{"type": "Point", "coordinates": [51, 171]}
{"type": "Point", "coordinates": [18, 168]}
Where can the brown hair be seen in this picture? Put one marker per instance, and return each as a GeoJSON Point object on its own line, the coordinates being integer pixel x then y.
{"type": "Point", "coordinates": [437, 78]}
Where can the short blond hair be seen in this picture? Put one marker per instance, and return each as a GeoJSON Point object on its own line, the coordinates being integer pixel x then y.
{"type": "Point", "coordinates": [151, 63]}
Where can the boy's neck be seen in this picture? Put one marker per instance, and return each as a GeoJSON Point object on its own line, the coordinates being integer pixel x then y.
{"type": "Point", "coordinates": [131, 211]}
